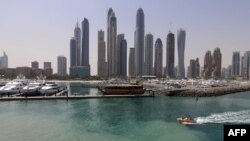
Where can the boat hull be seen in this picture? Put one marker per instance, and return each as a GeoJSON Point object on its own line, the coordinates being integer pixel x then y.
{"type": "Point", "coordinates": [123, 89]}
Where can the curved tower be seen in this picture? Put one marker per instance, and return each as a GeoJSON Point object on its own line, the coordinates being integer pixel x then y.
{"type": "Point", "coordinates": [181, 38]}
{"type": "Point", "coordinates": [139, 43]}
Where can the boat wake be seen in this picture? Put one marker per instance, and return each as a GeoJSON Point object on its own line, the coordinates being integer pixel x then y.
{"type": "Point", "coordinates": [239, 117]}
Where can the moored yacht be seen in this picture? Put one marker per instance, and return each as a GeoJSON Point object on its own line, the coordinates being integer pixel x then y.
{"type": "Point", "coordinates": [33, 89]}
{"type": "Point", "coordinates": [11, 88]}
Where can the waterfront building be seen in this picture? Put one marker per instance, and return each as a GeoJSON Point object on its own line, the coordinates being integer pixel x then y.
{"type": "Point", "coordinates": [216, 63]}
{"type": "Point", "coordinates": [47, 65]}
{"type": "Point", "coordinates": [236, 63]}
{"type": "Point", "coordinates": [111, 43]}
{"type": "Point", "coordinates": [73, 52]}
{"type": "Point", "coordinates": [85, 43]}
{"type": "Point", "coordinates": [28, 72]}
{"type": "Point", "coordinates": [170, 55]}
{"type": "Point", "coordinates": [148, 68]}
{"type": "Point", "coordinates": [131, 62]}
{"type": "Point", "coordinates": [35, 65]}
{"type": "Point", "coordinates": [181, 38]}
{"type": "Point", "coordinates": [139, 43]}
{"type": "Point", "coordinates": [48, 71]}
{"type": "Point", "coordinates": [101, 62]}
{"type": "Point", "coordinates": [4, 61]}
{"type": "Point", "coordinates": [246, 65]}
{"type": "Point", "coordinates": [121, 56]}
{"type": "Point", "coordinates": [77, 35]}
{"type": "Point", "coordinates": [208, 68]}
{"type": "Point", "coordinates": [158, 68]}
{"type": "Point", "coordinates": [241, 68]}
{"type": "Point", "coordinates": [80, 71]}
{"type": "Point", "coordinates": [61, 65]}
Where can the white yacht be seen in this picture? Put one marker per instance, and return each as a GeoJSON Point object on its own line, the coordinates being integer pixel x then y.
{"type": "Point", "coordinates": [11, 88]}
{"type": "Point", "coordinates": [33, 89]}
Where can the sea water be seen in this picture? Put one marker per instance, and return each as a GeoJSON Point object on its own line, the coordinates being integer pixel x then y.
{"type": "Point", "coordinates": [121, 119]}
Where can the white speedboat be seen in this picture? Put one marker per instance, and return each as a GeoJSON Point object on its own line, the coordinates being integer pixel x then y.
{"type": "Point", "coordinates": [11, 88]}
{"type": "Point", "coordinates": [33, 89]}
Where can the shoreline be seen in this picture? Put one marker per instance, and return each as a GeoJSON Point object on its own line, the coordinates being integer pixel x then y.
{"type": "Point", "coordinates": [209, 92]}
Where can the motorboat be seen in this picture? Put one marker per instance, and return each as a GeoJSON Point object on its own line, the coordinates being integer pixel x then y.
{"type": "Point", "coordinates": [33, 89]}
{"type": "Point", "coordinates": [186, 120]}
{"type": "Point", "coordinates": [11, 88]}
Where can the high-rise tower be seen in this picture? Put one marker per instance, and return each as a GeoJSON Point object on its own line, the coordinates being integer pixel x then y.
{"type": "Point", "coordinates": [181, 38]}
{"type": "Point", "coordinates": [158, 58]}
{"type": "Point", "coordinates": [139, 43]}
{"type": "Point", "coordinates": [216, 63]}
{"type": "Point", "coordinates": [236, 63]}
{"type": "Point", "coordinates": [73, 52]}
{"type": "Point", "coordinates": [111, 43]}
{"type": "Point", "coordinates": [77, 35]}
{"type": "Point", "coordinates": [170, 51]}
{"type": "Point", "coordinates": [61, 65]}
{"type": "Point", "coordinates": [101, 63]}
{"type": "Point", "coordinates": [208, 68]}
{"type": "Point", "coordinates": [85, 43]}
{"type": "Point", "coordinates": [148, 54]}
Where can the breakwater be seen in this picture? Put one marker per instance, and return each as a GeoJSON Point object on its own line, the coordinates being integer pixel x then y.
{"type": "Point", "coordinates": [207, 92]}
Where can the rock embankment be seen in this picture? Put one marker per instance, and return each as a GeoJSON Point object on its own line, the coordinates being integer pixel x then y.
{"type": "Point", "coordinates": [213, 91]}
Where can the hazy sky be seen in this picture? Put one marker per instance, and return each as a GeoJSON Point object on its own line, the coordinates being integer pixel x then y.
{"type": "Point", "coordinates": [41, 29]}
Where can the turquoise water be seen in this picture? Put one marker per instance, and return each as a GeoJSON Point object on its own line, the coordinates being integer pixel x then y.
{"type": "Point", "coordinates": [123, 119]}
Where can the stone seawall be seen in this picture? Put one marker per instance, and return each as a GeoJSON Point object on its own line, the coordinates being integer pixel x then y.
{"type": "Point", "coordinates": [213, 91]}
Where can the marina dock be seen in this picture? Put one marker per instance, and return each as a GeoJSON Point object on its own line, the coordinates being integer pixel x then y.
{"type": "Point", "coordinates": [73, 97]}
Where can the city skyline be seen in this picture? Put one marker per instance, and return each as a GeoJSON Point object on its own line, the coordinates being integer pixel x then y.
{"type": "Point", "coordinates": [45, 36]}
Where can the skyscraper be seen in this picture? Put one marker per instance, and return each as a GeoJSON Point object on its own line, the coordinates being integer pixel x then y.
{"type": "Point", "coordinates": [132, 62]}
{"type": "Point", "coordinates": [242, 64]}
{"type": "Point", "coordinates": [77, 35]}
{"type": "Point", "coordinates": [35, 65]}
{"type": "Point", "coordinates": [73, 52]}
{"type": "Point", "coordinates": [197, 68]}
{"type": "Point", "coordinates": [119, 39]}
{"type": "Point", "coordinates": [101, 63]}
{"type": "Point", "coordinates": [139, 43]}
{"type": "Point", "coordinates": [170, 51]}
{"type": "Point", "coordinates": [216, 63]}
{"type": "Point", "coordinates": [236, 63]}
{"type": "Point", "coordinates": [4, 61]}
{"type": "Point", "coordinates": [194, 68]}
{"type": "Point", "coordinates": [121, 56]}
{"type": "Point", "coordinates": [61, 65]}
{"type": "Point", "coordinates": [158, 58]}
{"type": "Point", "coordinates": [246, 65]}
{"type": "Point", "coordinates": [208, 67]}
{"type": "Point", "coordinates": [181, 38]}
{"type": "Point", "coordinates": [85, 43]}
{"type": "Point", "coordinates": [111, 43]}
{"type": "Point", "coordinates": [148, 54]}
